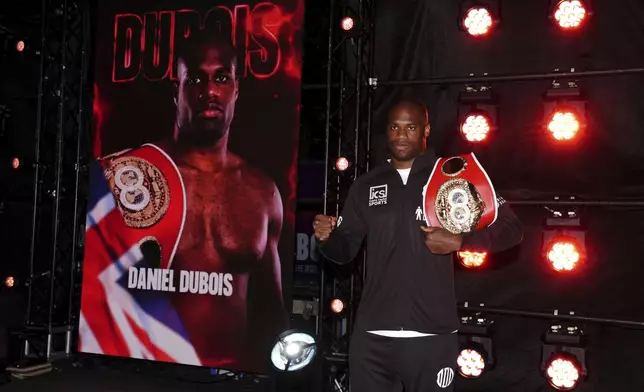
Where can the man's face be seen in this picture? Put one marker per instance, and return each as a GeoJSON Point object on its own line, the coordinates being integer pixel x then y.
{"type": "Point", "coordinates": [407, 130]}
{"type": "Point", "coordinates": [206, 95]}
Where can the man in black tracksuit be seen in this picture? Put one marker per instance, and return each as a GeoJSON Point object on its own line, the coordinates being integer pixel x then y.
{"type": "Point", "coordinates": [405, 329]}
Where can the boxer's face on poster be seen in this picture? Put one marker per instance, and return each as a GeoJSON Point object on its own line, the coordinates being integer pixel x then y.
{"type": "Point", "coordinates": [407, 130]}
{"type": "Point", "coordinates": [206, 94]}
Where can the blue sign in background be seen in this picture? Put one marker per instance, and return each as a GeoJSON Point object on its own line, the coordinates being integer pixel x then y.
{"type": "Point", "coordinates": [307, 257]}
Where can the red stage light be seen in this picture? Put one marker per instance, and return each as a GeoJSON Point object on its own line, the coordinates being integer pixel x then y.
{"type": "Point", "coordinates": [337, 306]}
{"type": "Point", "coordinates": [563, 254]}
{"type": "Point", "coordinates": [562, 373]}
{"type": "Point", "coordinates": [15, 163]}
{"type": "Point", "coordinates": [564, 125]}
{"type": "Point", "coordinates": [472, 259]}
{"type": "Point", "coordinates": [342, 164]}
{"type": "Point", "coordinates": [478, 21]}
{"type": "Point", "coordinates": [20, 46]}
{"type": "Point", "coordinates": [471, 363]}
{"type": "Point", "coordinates": [570, 14]}
{"type": "Point", "coordinates": [347, 23]}
{"type": "Point", "coordinates": [476, 127]}
{"type": "Point", "coordinates": [9, 281]}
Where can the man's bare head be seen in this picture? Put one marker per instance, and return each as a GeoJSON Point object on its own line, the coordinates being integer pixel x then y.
{"type": "Point", "coordinates": [407, 131]}
{"type": "Point", "coordinates": [207, 88]}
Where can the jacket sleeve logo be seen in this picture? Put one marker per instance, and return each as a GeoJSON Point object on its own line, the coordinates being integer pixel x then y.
{"type": "Point", "coordinates": [378, 195]}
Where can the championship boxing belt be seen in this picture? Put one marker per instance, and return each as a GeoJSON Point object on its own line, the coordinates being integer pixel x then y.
{"type": "Point", "coordinates": [459, 195]}
{"type": "Point", "coordinates": [150, 194]}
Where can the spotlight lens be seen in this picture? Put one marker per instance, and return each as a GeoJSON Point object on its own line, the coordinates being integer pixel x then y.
{"type": "Point", "coordinates": [475, 127]}
{"type": "Point", "coordinates": [478, 21]}
{"type": "Point", "coordinates": [293, 351]}
{"type": "Point", "coordinates": [20, 46]}
{"type": "Point", "coordinates": [9, 281]}
{"type": "Point", "coordinates": [563, 374]}
{"type": "Point", "coordinates": [342, 164]}
{"type": "Point", "coordinates": [564, 125]}
{"type": "Point", "coordinates": [337, 306]}
{"type": "Point", "coordinates": [471, 363]}
{"type": "Point", "coordinates": [563, 255]}
{"type": "Point", "coordinates": [15, 163]}
{"type": "Point", "coordinates": [472, 259]}
{"type": "Point", "coordinates": [347, 23]}
{"type": "Point", "coordinates": [570, 14]}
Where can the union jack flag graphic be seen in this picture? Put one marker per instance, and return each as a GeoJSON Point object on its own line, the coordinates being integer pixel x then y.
{"type": "Point", "coordinates": [115, 320]}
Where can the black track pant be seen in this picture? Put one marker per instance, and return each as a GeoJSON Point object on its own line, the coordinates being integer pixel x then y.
{"type": "Point", "coordinates": [384, 364]}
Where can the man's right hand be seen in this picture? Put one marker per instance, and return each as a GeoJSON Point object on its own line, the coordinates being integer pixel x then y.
{"type": "Point", "coordinates": [323, 226]}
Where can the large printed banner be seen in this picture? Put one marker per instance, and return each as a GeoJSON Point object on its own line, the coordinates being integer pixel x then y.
{"type": "Point", "coordinates": [190, 225]}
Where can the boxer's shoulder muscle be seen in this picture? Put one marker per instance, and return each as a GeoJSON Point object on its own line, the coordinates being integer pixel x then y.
{"type": "Point", "coordinates": [260, 187]}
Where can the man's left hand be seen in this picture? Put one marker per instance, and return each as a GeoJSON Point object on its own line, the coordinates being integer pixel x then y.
{"type": "Point", "coordinates": [440, 241]}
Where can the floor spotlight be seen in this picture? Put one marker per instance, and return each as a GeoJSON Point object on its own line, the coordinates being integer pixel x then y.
{"type": "Point", "coordinates": [479, 18]}
{"type": "Point", "coordinates": [564, 240]}
{"type": "Point", "coordinates": [293, 351]}
{"type": "Point", "coordinates": [471, 259]}
{"type": "Point", "coordinates": [476, 354]}
{"type": "Point", "coordinates": [563, 357]}
{"type": "Point", "coordinates": [477, 113]}
{"type": "Point", "coordinates": [564, 112]}
{"type": "Point", "coordinates": [569, 14]}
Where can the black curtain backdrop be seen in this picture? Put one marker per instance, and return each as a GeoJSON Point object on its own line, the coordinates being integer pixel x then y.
{"type": "Point", "coordinates": [421, 40]}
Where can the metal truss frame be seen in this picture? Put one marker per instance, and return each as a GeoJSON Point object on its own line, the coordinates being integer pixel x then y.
{"type": "Point", "coordinates": [350, 72]}
{"type": "Point", "coordinates": [60, 181]}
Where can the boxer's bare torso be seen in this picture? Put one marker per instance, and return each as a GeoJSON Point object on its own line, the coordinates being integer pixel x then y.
{"type": "Point", "coordinates": [232, 211]}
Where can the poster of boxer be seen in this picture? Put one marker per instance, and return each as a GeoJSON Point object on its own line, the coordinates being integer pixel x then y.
{"type": "Point", "coordinates": [190, 225]}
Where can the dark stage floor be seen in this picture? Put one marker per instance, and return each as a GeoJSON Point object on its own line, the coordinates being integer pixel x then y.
{"type": "Point", "coordinates": [129, 376]}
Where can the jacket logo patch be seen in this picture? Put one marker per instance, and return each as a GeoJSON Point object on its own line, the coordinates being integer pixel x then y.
{"type": "Point", "coordinates": [378, 195]}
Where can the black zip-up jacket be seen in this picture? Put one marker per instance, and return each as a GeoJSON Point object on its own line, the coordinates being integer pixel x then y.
{"type": "Point", "coordinates": [407, 287]}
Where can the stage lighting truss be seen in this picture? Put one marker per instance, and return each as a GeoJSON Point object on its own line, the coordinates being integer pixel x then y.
{"type": "Point", "coordinates": [476, 351]}
{"type": "Point", "coordinates": [564, 240]}
{"type": "Point", "coordinates": [570, 15]}
{"type": "Point", "coordinates": [563, 356]}
{"type": "Point", "coordinates": [479, 18]}
{"type": "Point", "coordinates": [565, 114]}
{"type": "Point", "coordinates": [5, 115]}
{"type": "Point", "coordinates": [351, 83]}
{"type": "Point", "coordinates": [293, 351]}
{"type": "Point", "coordinates": [477, 114]}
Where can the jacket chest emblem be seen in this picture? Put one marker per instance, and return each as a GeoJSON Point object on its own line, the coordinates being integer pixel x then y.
{"type": "Point", "coordinates": [378, 195]}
